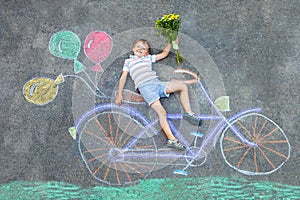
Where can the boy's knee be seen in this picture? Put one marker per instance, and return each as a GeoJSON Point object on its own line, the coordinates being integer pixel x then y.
{"type": "Point", "coordinates": [184, 86]}
{"type": "Point", "coordinates": [159, 109]}
{"type": "Point", "coordinates": [162, 112]}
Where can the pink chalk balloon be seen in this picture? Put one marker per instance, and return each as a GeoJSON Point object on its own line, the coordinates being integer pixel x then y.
{"type": "Point", "coordinates": [97, 48]}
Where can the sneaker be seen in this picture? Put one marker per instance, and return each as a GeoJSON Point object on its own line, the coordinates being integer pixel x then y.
{"type": "Point", "coordinates": [175, 144]}
{"type": "Point", "coordinates": [192, 118]}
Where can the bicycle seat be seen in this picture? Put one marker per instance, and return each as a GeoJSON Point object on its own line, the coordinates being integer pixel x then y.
{"type": "Point", "coordinates": [132, 97]}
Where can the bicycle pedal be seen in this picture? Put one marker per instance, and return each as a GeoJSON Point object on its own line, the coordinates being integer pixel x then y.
{"type": "Point", "coordinates": [180, 172]}
{"type": "Point", "coordinates": [197, 133]}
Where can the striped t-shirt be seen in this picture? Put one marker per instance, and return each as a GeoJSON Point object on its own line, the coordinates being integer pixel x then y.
{"type": "Point", "coordinates": [140, 69]}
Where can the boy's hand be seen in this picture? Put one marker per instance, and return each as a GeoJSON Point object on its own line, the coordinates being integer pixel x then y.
{"type": "Point", "coordinates": [119, 99]}
{"type": "Point", "coordinates": [122, 81]}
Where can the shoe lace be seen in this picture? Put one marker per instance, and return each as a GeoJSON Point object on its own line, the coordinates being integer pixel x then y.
{"type": "Point", "coordinates": [178, 144]}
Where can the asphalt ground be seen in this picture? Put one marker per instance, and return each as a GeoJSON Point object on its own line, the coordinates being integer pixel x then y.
{"type": "Point", "coordinates": [248, 50]}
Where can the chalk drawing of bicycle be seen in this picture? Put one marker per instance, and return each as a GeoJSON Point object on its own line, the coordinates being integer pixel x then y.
{"type": "Point", "coordinates": [118, 147]}
{"type": "Point", "coordinates": [118, 143]}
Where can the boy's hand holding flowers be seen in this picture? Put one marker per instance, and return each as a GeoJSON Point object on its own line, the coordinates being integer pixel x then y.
{"type": "Point", "coordinates": [168, 26]}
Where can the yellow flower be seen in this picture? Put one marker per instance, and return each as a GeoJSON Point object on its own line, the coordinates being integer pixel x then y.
{"type": "Point", "coordinates": [170, 17]}
{"type": "Point", "coordinates": [168, 26]}
{"type": "Point", "coordinates": [173, 17]}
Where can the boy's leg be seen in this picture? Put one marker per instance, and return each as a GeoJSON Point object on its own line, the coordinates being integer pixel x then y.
{"type": "Point", "coordinates": [185, 101]}
{"type": "Point", "coordinates": [162, 116]}
{"type": "Point", "coordinates": [184, 94]}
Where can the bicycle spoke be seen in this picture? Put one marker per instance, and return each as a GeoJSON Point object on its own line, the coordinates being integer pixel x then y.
{"type": "Point", "coordinates": [273, 151]}
{"type": "Point", "coordinates": [243, 157]}
{"type": "Point", "coordinates": [117, 130]}
{"type": "Point", "coordinates": [99, 138]}
{"type": "Point", "coordinates": [95, 158]}
{"type": "Point", "coordinates": [98, 169]}
{"type": "Point", "coordinates": [135, 170]}
{"type": "Point", "coordinates": [109, 123]}
{"type": "Point", "coordinates": [133, 133]}
{"type": "Point", "coordinates": [254, 126]}
{"type": "Point", "coordinates": [102, 141]}
{"type": "Point", "coordinates": [94, 150]}
{"type": "Point", "coordinates": [261, 129]}
{"type": "Point", "coordinates": [246, 130]}
{"type": "Point", "coordinates": [107, 171]}
{"type": "Point", "coordinates": [123, 132]}
{"type": "Point", "coordinates": [117, 174]}
{"type": "Point", "coordinates": [235, 148]}
{"type": "Point", "coordinates": [126, 173]}
{"type": "Point", "coordinates": [274, 141]}
{"type": "Point", "coordinates": [266, 157]}
{"type": "Point", "coordinates": [269, 134]}
{"type": "Point", "coordinates": [233, 140]}
{"type": "Point", "coordinates": [255, 160]}
{"type": "Point", "coordinates": [101, 127]}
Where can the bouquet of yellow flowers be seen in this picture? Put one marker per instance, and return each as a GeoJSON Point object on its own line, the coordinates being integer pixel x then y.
{"type": "Point", "coordinates": [168, 26]}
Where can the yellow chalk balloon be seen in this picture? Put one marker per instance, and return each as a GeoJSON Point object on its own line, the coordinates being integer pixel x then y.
{"type": "Point", "coordinates": [41, 90]}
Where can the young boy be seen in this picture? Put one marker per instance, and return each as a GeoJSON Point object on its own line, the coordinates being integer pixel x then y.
{"type": "Point", "coordinates": [139, 66]}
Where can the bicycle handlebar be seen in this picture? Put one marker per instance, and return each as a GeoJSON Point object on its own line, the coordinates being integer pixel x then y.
{"type": "Point", "coordinates": [185, 71]}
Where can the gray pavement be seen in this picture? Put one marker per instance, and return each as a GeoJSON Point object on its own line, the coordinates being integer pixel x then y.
{"type": "Point", "coordinates": [253, 46]}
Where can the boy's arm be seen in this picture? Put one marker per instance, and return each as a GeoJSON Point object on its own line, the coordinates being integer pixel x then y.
{"type": "Point", "coordinates": [164, 53]}
{"type": "Point", "coordinates": [122, 82]}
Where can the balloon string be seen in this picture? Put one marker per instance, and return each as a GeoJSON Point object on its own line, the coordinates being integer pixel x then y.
{"type": "Point", "coordinates": [96, 93]}
{"type": "Point", "coordinates": [90, 79]}
{"type": "Point", "coordinates": [97, 89]}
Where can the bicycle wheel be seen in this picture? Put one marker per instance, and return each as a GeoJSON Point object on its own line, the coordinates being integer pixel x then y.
{"type": "Point", "coordinates": [271, 152]}
{"type": "Point", "coordinates": [112, 148]}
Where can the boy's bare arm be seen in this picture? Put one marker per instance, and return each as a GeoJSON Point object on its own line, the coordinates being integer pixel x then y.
{"type": "Point", "coordinates": [122, 82]}
{"type": "Point", "coordinates": [164, 53]}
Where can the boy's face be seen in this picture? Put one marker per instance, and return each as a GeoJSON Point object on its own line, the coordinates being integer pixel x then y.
{"type": "Point", "coordinates": [140, 49]}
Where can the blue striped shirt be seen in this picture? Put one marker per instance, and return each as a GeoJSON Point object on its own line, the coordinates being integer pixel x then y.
{"type": "Point", "coordinates": [140, 69]}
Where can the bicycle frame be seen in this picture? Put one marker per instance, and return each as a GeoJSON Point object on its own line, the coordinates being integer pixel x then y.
{"type": "Point", "coordinates": [138, 153]}
{"type": "Point", "coordinates": [209, 141]}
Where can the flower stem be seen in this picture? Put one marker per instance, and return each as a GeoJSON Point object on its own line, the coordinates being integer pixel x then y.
{"type": "Point", "coordinates": [179, 58]}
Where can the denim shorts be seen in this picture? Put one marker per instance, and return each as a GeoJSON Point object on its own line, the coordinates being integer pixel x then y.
{"type": "Point", "coordinates": [153, 90]}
